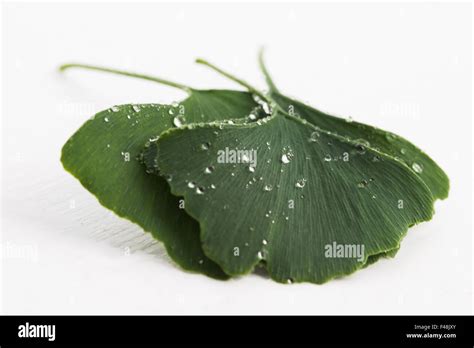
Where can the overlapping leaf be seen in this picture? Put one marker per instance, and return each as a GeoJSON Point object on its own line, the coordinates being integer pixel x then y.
{"type": "Point", "coordinates": [320, 181]}
{"type": "Point", "coordinates": [246, 216]}
{"type": "Point", "coordinates": [103, 153]}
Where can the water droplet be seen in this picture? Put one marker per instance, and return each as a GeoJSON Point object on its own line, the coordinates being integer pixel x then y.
{"type": "Point", "coordinates": [327, 158]}
{"type": "Point", "coordinates": [361, 145]}
{"type": "Point", "coordinates": [267, 188]}
{"type": "Point", "coordinates": [205, 146]}
{"type": "Point", "coordinates": [252, 117]}
{"type": "Point", "coordinates": [169, 177]}
{"type": "Point", "coordinates": [390, 136]}
{"type": "Point", "coordinates": [285, 159]}
{"type": "Point", "coordinates": [213, 186]}
{"type": "Point", "coordinates": [106, 119]}
{"type": "Point", "coordinates": [200, 190]}
{"type": "Point", "coordinates": [403, 151]}
{"type": "Point", "coordinates": [251, 169]}
{"type": "Point", "coordinates": [260, 255]}
{"type": "Point", "coordinates": [115, 108]}
{"type": "Point", "coordinates": [266, 108]}
{"type": "Point", "coordinates": [362, 184]}
{"type": "Point", "coordinates": [191, 184]}
{"type": "Point", "coordinates": [252, 228]}
{"type": "Point", "coordinates": [300, 183]}
{"type": "Point", "coordinates": [314, 137]}
{"type": "Point", "coordinates": [201, 261]}
{"type": "Point", "coordinates": [264, 242]}
{"type": "Point", "coordinates": [128, 116]}
{"type": "Point", "coordinates": [349, 119]}
{"type": "Point", "coordinates": [136, 108]}
{"type": "Point", "coordinates": [178, 121]}
{"type": "Point", "coordinates": [417, 167]}
{"type": "Point", "coordinates": [230, 122]}
{"type": "Point", "coordinates": [374, 196]}
{"type": "Point", "coordinates": [171, 111]}
{"type": "Point", "coordinates": [289, 281]}
{"type": "Point", "coordinates": [209, 170]}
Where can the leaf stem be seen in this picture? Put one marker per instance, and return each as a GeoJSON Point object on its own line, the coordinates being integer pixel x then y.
{"type": "Point", "coordinates": [233, 78]}
{"type": "Point", "coordinates": [126, 73]}
{"type": "Point", "coordinates": [268, 79]}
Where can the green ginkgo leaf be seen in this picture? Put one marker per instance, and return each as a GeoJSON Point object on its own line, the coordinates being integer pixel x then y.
{"type": "Point", "coordinates": [382, 140]}
{"type": "Point", "coordinates": [287, 193]}
{"type": "Point", "coordinates": [103, 153]}
{"type": "Point", "coordinates": [294, 203]}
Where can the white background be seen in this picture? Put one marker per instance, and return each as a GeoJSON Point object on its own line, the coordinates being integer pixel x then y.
{"type": "Point", "coordinates": [402, 67]}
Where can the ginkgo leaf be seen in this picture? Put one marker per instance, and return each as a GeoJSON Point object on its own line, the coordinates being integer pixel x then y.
{"type": "Point", "coordinates": [103, 153]}
{"type": "Point", "coordinates": [294, 203]}
{"type": "Point", "coordinates": [387, 142]}
{"type": "Point", "coordinates": [290, 194]}
{"type": "Point", "coordinates": [365, 135]}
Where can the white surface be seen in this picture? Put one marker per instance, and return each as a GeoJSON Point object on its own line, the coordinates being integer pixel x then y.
{"type": "Point", "coordinates": [405, 67]}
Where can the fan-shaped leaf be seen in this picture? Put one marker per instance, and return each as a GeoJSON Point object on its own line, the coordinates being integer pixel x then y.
{"type": "Point", "coordinates": [342, 194]}
{"type": "Point", "coordinates": [103, 153]}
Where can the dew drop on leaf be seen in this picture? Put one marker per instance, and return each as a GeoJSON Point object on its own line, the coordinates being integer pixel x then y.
{"type": "Point", "coordinates": [300, 183]}
{"type": "Point", "coordinates": [285, 159]}
{"type": "Point", "coordinates": [327, 158]}
{"type": "Point", "coordinates": [209, 170]}
{"type": "Point", "coordinates": [191, 184]}
{"type": "Point", "coordinates": [362, 184]}
{"type": "Point", "coordinates": [267, 188]}
{"type": "Point", "coordinates": [200, 190]}
{"type": "Point", "coordinates": [313, 137]}
{"type": "Point", "coordinates": [178, 121]}
{"type": "Point", "coordinates": [251, 169]}
{"type": "Point", "coordinates": [106, 119]}
{"type": "Point", "coordinates": [136, 108]}
{"type": "Point", "coordinates": [417, 167]}
{"type": "Point", "coordinates": [115, 108]}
